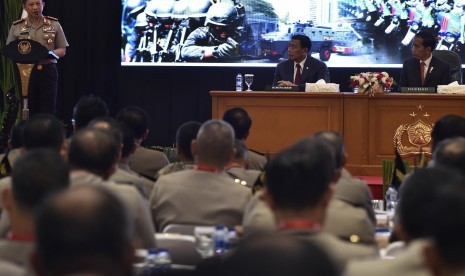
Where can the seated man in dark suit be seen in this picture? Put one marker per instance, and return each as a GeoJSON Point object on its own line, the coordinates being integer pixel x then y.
{"type": "Point", "coordinates": [310, 69]}
{"type": "Point", "coordinates": [435, 71]}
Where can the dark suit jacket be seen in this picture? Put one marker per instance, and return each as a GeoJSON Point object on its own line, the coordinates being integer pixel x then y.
{"type": "Point", "coordinates": [313, 71]}
{"type": "Point", "coordinates": [438, 73]}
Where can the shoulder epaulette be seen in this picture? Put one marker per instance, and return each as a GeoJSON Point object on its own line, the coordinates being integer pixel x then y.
{"type": "Point", "coordinates": [19, 21]}
{"type": "Point", "coordinates": [51, 18]}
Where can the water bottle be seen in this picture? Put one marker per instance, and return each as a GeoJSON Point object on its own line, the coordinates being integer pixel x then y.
{"type": "Point", "coordinates": [391, 203]}
{"type": "Point", "coordinates": [231, 239]}
{"type": "Point", "coordinates": [163, 261]}
{"type": "Point", "coordinates": [150, 262]}
{"type": "Point", "coordinates": [239, 82]}
{"type": "Point", "coordinates": [219, 240]}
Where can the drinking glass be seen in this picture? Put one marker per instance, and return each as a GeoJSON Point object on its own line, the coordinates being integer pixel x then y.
{"type": "Point", "coordinates": [204, 240]}
{"type": "Point", "coordinates": [248, 80]}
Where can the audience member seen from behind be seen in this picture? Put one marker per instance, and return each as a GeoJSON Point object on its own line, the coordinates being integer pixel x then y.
{"type": "Point", "coordinates": [237, 167]}
{"type": "Point", "coordinates": [88, 108]}
{"type": "Point", "coordinates": [350, 214]}
{"type": "Point", "coordinates": [205, 195]}
{"type": "Point", "coordinates": [301, 67]}
{"type": "Point", "coordinates": [435, 71]}
{"type": "Point", "coordinates": [37, 174]}
{"type": "Point", "coordinates": [449, 126]}
{"type": "Point", "coordinates": [274, 255]}
{"type": "Point", "coordinates": [83, 231]}
{"type": "Point", "coordinates": [144, 161]}
{"type": "Point", "coordinates": [185, 134]}
{"type": "Point", "coordinates": [40, 131]}
{"type": "Point", "coordinates": [415, 214]}
{"type": "Point", "coordinates": [241, 122]}
{"type": "Point", "coordinates": [15, 144]}
{"type": "Point", "coordinates": [93, 154]}
{"type": "Point", "coordinates": [127, 145]}
{"type": "Point", "coordinates": [298, 190]}
{"type": "Point", "coordinates": [445, 256]}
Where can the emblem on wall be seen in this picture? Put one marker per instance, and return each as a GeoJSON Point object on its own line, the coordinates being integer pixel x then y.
{"type": "Point", "coordinates": [414, 138]}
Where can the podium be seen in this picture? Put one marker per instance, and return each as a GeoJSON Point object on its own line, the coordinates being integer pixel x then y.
{"type": "Point", "coordinates": [25, 53]}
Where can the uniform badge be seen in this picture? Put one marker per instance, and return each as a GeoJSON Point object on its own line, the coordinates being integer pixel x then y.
{"type": "Point", "coordinates": [23, 29]}
{"type": "Point", "coordinates": [50, 41]}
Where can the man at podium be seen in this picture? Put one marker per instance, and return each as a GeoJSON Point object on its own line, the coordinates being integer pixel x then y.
{"type": "Point", "coordinates": [423, 69]}
{"type": "Point", "coordinates": [47, 31]}
{"type": "Point", "coordinates": [300, 68]}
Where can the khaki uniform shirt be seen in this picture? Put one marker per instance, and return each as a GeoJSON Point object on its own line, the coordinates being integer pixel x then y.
{"type": "Point", "coordinates": [48, 33]}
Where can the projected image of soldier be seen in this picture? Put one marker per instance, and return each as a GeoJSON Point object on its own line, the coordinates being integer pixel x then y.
{"type": "Point", "coordinates": [141, 45]}
{"type": "Point", "coordinates": [220, 39]}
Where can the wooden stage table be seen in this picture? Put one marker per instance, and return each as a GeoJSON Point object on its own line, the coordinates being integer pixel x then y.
{"type": "Point", "coordinates": [368, 124]}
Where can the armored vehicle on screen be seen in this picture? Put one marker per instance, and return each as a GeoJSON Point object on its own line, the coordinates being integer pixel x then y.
{"type": "Point", "coordinates": [273, 45]}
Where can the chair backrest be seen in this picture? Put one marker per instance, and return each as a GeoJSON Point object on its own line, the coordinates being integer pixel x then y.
{"type": "Point", "coordinates": [453, 59]}
{"type": "Point", "coordinates": [181, 248]}
{"type": "Point", "coordinates": [184, 229]}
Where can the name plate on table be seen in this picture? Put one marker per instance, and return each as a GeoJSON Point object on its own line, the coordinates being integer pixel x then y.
{"type": "Point", "coordinates": [281, 88]}
{"type": "Point", "coordinates": [418, 89]}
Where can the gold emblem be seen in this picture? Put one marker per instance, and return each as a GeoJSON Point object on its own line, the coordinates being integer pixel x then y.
{"type": "Point", "coordinates": [23, 29]}
{"type": "Point", "coordinates": [418, 136]}
{"type": "Point", "coordinates": [24, 47]}
{"type": "Point", "coordinates": [50, 41]}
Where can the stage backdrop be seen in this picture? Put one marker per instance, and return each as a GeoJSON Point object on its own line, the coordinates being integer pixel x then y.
{"type": "Point", "coordinates": [171, 95]}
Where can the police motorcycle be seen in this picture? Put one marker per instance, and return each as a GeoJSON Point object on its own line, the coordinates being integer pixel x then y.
{"type": "Point", "coordinates": [384, 12]}
{"type": "Point", "coordinates": [452, 27]}
{"type": "Point", "coordinates": [399, 17]}
{"type": "Point", "coordinates": [423, 19]}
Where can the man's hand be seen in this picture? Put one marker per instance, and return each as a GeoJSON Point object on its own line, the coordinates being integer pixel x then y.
{"type": "Point", "coordinates": [224, 50]}
{"type": "Point", "coordinates": [286, 83]}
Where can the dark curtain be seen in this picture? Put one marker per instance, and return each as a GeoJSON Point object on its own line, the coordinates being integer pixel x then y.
{"type": "Point", "coordinates": [91, 64]}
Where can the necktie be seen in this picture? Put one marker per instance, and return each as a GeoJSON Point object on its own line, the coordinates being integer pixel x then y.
{"type": "Point", "coordinates": [422, 72]}
{"type": "Point", "coordinates": [298, 75]}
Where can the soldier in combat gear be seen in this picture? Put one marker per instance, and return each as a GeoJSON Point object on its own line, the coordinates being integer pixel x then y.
{"type": "Point", "coordinates": [217, 41]}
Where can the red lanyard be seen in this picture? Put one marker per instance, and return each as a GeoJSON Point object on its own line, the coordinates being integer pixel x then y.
{"type": "Point", "coordinates": [208, 168]}
{"type": "Point", "coordinates": [299, 224]}
{"type": "Point", "coordinates": [20, 236]}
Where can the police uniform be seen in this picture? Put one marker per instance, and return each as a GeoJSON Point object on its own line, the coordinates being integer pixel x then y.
{"type": "Point", "coordinates": [43, 84]}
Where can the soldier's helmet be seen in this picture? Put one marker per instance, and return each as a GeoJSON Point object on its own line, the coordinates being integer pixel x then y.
{"type": "Point", "coordinates": [197, 9]}
{"type": "Point", "coordinates": [180, 9]}
{"type": "Point", "coordinates": [151, 10]}
{"type": "Point", "coordinates": [164, 12]}
{"type": "Point", "coordinates": [222, 14]}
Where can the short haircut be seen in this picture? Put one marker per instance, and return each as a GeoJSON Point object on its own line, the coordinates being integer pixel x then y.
{"type": "Point", "coordinates": [16, 133]}
{"type": "Point", "coordinates": [214, 143]}
{"type": "Point", "coordinates": [275, 255]}
{"type": "Point", "coordinates": [80, 227]}
{"type": "Point", "coordinates": [305, 41]}
{"type": "Point", "coordinates": [94, 150]}
{"type": "Point", "coordinates": [43, 131]}
{"type": "Point", "coordinates": [298, 177]}
{"type": "Point", "coordinates": [88, 108]}
{"type": "Point", "coordinates": [37, 174]}
{"type": "Point", "coordinates": [240, 120]}
{"type": "Point", "coordinates": [448, 226]}
{"type": "Point", "coordinates": [451, 153]}
{"type": "Point", "coordinates": [419, 195]}
{"type": "Point", "coordinates": [428, 39]}
{"type": "Point", "coordinates": [184, 136]}
{"type": "Point", "coordinates": [241, 150]}
{"type": "Point", "coordinates": [136, 118]}
{"type": "Point", "coordinates": [448, 126]}
{"type": "Point", "coordinates": [335, 141]}
{"type": "Point", "coordinates": [108, 124]}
